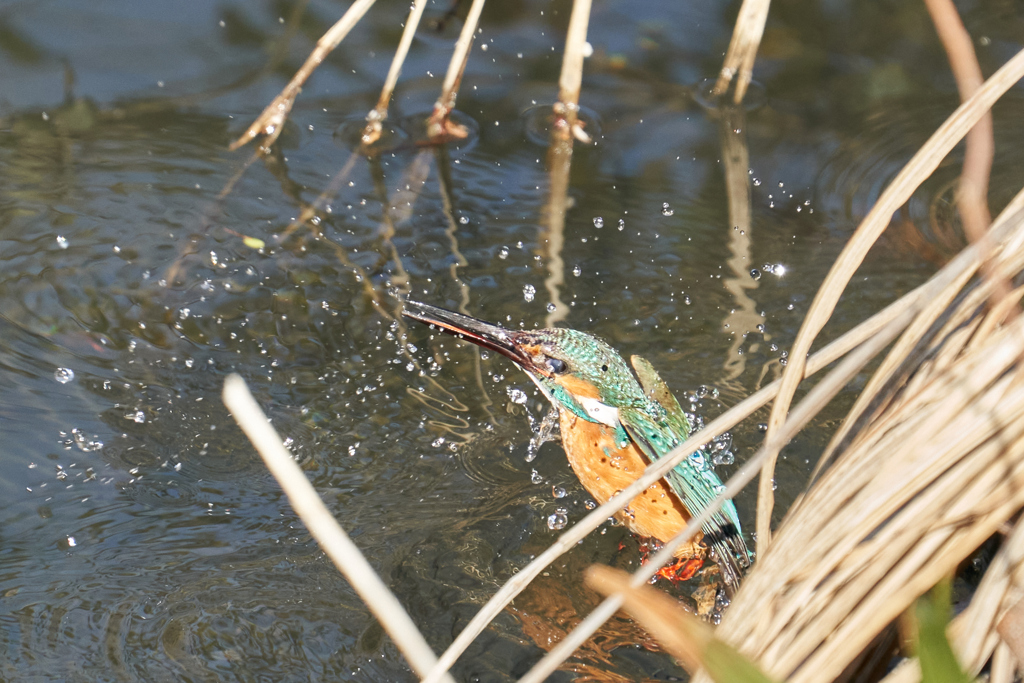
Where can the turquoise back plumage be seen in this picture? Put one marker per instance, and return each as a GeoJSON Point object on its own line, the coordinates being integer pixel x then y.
{"type": "Point", "coordinates": [652, 418]}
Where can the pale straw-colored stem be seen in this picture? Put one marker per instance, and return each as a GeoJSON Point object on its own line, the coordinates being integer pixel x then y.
{"type": "Point", "coordinates": [456, 67]}
{"type": "Point", "coordinates": [332, 539]}
{"type": "Point", "coordinates": [746, 37]}
{"type": "Point", "coordinates": [379, 113]}
{"type": "Point", "coordinates": [921, 165]}
{"type": "Point", "coordinates": [415, 14]}
{"type": "Point", "coordinates": [571, 79]}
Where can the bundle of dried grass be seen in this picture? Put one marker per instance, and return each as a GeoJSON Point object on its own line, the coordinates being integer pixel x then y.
{"type": "Point", "coordinates": [929, 464]}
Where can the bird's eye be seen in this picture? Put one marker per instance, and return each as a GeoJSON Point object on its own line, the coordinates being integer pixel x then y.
{"type": "Point", "coordinates": [557, 365]}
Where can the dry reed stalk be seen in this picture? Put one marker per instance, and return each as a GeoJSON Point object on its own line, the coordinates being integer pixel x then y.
{"type": "Point", "coordinates": [746, 37]}
{"type": "Point", "coordinates": [371, 133]}
{"type": "Point", "coordinates": [918, 487]}
{"type": "Point", "coordinates": [271, 121]}
{"type": "Point", "coordinates": [323, 527]}
{"type": "Point", "coordinates": [957, 273]}
{"type": "Point", "coordinates": [920, 166]}
{"type": "Point", "coordinates": [566, 110]}
{"type": "Point", "coordinates": [980, 142]}
{"type": "Point", "coordinates": [438, 125]}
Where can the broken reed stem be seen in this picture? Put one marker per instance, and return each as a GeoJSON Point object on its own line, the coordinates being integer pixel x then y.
{"type": "Point", "coordinates": [920, 166]}
{"type": "Point", "coordinates": [371, 133]}
{"type": "Point", "coordinates": [328, 534]}
{"type": "Point", "coordinates": [437, 125]}
{"type": "Point", "coordinates": [979, 147]}
{"type": "Point", "coordinates": [415, 14]}
{"type": "Point", "coordinates": [270, 122]}
{"type": "Point", "coordinates": [816, 398]}
{"type": "Point", "coordinates": [566, 124]}
{"type": "Point", "coordinates": [571, 78]}
{"type": "Point", "coordinates": [739, 60]}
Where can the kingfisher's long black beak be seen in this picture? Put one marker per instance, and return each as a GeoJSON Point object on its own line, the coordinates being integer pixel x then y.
{"type": "Point", "coordinates": [487, 335]}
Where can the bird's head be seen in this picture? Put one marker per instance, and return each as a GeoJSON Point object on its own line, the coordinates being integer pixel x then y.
{"type": "Point", "coordinates": [575, 370]}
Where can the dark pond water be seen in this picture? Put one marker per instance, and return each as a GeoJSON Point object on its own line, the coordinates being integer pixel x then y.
{"type": "Point", "coordinates": [141, 539]}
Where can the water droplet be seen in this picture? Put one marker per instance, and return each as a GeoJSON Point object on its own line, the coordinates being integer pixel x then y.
{"type": "Point", "coordinates": [558, 492]}
{"type": "Point", "coordinates": [184, 313]}
{"type": "Point", "coordinates": [438, 442]}
{"type": "Point", "coordinates": [463, 220]}
{"type": "Point", "coordinates": [83, 442]}
{"type": "Point", "coordinates": [551, 308]}
{"type": "Point", "coordinates": [503, 253]}
{"type": "Point", "coordinates": [598, 222]}
{"type": "Point", "coordinates": [622, 224]}
{"type": "Point", "coordinates": [755, 274]}
{"type": "Point", "coordinates": [64, 375]}
{"type": "Point", "coordinates": [666, 210]}
{"type": "Point", "coordinates": [517, 396]}
{"type": "Point", "coordinates": [723, 458]}
{"type": "Point", "coordinates": [704, 391]}
{"type": "Point", "coordinates": [62, 241]}
{"type": "Point", "coordinates": [535, 477]}
{"type": "Point", "coordinates": [136, 416]}
{"type": "Point", "coordinates": [577, 271]}
{"type": "Point", "coordinates": [529, 291]}
{"type": "Point", "coordinates": [558, 519]}
{"type": "Point", "coordinates": [762, 427]}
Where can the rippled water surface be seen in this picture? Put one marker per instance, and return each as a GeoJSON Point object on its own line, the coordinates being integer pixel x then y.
{"type": "Point", "coordinates": [141, 538]}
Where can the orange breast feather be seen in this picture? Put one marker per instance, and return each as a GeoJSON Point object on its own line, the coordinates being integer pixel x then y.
{"type": "Point", "coordinates": [604, 469]}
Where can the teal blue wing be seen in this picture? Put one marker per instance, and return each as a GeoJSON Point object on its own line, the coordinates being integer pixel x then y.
{"type": "Point", "coordinates": [657, 390]}
{"type": "Point", "coordinates": [657, 429]}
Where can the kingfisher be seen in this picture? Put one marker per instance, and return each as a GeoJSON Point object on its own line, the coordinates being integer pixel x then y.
{"type": "Point", "coordinates": [612, 426]}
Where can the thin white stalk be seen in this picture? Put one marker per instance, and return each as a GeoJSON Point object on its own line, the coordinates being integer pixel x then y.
{"type": "Point", "coordinates": [460, 56]}
{"type": "Point", "coordinates": [403, 49]}
{"type": "Point", "coordinates": [331, 537]}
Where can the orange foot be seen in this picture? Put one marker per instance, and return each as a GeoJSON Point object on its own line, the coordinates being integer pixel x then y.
{"type": "Point", "coordinates": [683, 569]}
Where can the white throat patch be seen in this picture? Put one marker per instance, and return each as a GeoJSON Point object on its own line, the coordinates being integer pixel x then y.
{"type": "Point", "coordinates": [601, 412]}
